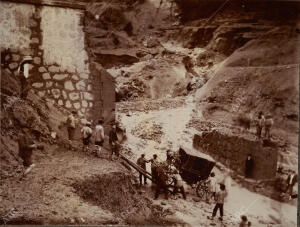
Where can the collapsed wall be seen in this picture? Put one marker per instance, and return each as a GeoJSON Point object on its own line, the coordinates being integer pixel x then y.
{"type": "Point", "coordinates": [55, 38]}
{"type": "Point", "coordinates": [232, 151]}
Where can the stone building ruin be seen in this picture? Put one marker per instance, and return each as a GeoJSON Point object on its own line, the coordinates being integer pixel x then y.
{"type": "Point", "coordinates": [52, 32]}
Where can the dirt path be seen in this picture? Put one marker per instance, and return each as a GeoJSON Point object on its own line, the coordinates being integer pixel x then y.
{"type": "Point", "coordinates": [174, 133]}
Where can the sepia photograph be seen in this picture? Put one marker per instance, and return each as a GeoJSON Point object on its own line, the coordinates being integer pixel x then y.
{"type": "Point", "coordinates": [149, 113]}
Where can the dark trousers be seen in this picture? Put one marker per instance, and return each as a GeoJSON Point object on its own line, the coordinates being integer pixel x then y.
{"type": "Point", "coordinates": [176, 189]}
{"type": "Point", "coordinates": [154, 175]}
{"type": "Point", "coordinates": [71, 132]}
{"type": "Point", "coordinates": [161, 186]}
{"type": "Point", "coordinates": [218, 206]}
{"type": "Point", "coordinates": [258, 131]}
{"type": "Point", "coordinates": [141, 179]}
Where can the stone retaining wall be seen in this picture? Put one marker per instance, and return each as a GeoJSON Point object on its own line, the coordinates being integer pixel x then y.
{"type": "Point", "coordinates": [232, 151]}
{"type": "Point", "coordinates": [54, 37]}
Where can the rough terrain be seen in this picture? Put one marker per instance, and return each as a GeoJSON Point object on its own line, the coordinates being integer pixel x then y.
{"type": "Point", "coordinates": [177, 74]}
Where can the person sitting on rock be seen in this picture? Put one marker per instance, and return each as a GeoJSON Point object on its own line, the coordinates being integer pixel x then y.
{"type": "Point", "coordinates": [23, 72]}
{"type": "Point", "coordinates": [268, 124]}
{"type": "Point", "coordinates": [86, 135]}
{"type": "Point", "coordinates": [178, 184]}
{"type": "Point", "coordinates": [99, 136]}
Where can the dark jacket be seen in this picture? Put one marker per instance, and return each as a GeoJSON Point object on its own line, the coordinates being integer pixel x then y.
{"type": "Point", "coordinates": [142, 162]}
{"type": "Point", "coordinates": [113, 138]}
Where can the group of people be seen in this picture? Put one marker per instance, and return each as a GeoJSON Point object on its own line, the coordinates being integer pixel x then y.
{"type": "Point", "coordinates": [98, 134]}
{"type": "Point", "coordinates": [161, 173]}
{"type": "Point", "coordinates": [264, 122]}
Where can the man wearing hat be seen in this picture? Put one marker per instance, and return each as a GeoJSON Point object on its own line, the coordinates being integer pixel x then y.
{"type": "Point", "coordinates": [142, 163]}
{"type": "Point", "coordinates": [23, 72]}
{"type": "Point", "coordinates": [71, 125]}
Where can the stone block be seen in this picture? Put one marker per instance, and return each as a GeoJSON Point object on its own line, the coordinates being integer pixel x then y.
{"type": "Point", "coordinates": [60, 102]}
{"type": "Point", "coordinates": [7, 57]}
{"type": "Point", "coordinates": [84, 75]}
{"type": "Point", "coordinates": [16, 57]}
{"type": "Point", "coordinates": [60, 76]}
{"type": "Point", "coordinates": [37, 60]}
{"type": "Point", "coordinates": [37, 85]}
{"type": "Point", "coordinates": [27, 51]}
{"type": "Point", "coordinates": [69, 85]}
{"type": "Point", "coordinates": [68, 104]}
{"type": "Point", "coordinates": [75, 77]}
{"type": "Point", "coordinates": [74, 96]}
{"type": "Point", "coordinates": [88, 96]}
{"type": "Point", "coordinates": [91, 104]}
{"type": "Point", "coordinates": [53, 69]}
{"type": "Point", "coordinates": [35, 40]}
{"type": "Point", "coordinates": [77, 105]}
{"type": "Point", "coordinates": [13, 65]}
{"type": "Point", "coordinates": [56, 93]}
{"type": "Point", "coordinates": [40, 53]}
{"type": "Point", "coordinates": [89, 88]}
{"type": "Point", "coordinates": [30, 67]}
{"type": "Point", "coordinates": [80, 85]}
{"type": "Point", "coordinates": [49, 84]}
{"type": "Point", "coordinates": [41, 93]}
{"type": "Point", "coordinates": [46, 76]}
{"type": "Point", "coordinates": [33, 23]}
{"type": "Point", "coordinates": [64, 94]}
{"type": "Point", "coordinates": [42, 69]}
{"type": "Point", "coordinates": [84, 103]}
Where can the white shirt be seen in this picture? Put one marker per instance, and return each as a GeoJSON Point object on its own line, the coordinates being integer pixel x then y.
{"type": "Point", "coordinates": [99, 133]}
{"type": "Point", "coordinates": [26, 70]}
{"type": "Point", "coordinates": [86, 131]}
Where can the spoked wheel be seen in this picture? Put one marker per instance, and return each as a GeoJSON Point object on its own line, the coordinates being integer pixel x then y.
{"type": "Point", "coordinates": [202, 189]}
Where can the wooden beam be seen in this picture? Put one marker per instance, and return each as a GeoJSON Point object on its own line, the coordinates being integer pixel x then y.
{"type": "Point", "coordinates": [74, 4]}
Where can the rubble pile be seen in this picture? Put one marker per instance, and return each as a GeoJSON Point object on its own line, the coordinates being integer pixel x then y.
{"type": "Point", "coordinates": [148, 131]}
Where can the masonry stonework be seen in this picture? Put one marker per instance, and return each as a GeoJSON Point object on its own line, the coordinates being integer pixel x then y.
{"type": "Point", "coordinates": [232, 151]}
{"type": "Point", "coordinates": [54, 37]}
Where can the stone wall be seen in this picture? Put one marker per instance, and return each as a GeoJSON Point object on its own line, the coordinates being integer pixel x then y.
{"type": "Point", "coordinates": [54, 37]}
{"type": "Point", "coordinates": [232, 151]}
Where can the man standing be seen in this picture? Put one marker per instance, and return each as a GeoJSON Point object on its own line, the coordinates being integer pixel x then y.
{"type": "Point", "coordinates": [260, 124]}
{"type": "Point", "coordinates": [113, 141]}
{"type": "Point", "coordinates": [249, 166]}
{"type": "Point", "coordinates": [86, 135]}
{"type": "Point", "coordinates": [291, 181]}
{"type": "Point", "coordinates": [220, 198]}
{"type": "Point", "coordinates": [26, 147]}
{"type": "Point", "coordinates": [71, 125]}
{"type": "Point", "coordinates": [154, 165]}
{"type": "Point", "coordinates": [99, 136]}
{"type": "Point", "coordinates": [212, 184]}
{"type": "Point", "coordinates": [142, 163]}
{"type": "Point", "coordinates": [23, 72]}
{"type": "Point", "coordinates": [268, 124]}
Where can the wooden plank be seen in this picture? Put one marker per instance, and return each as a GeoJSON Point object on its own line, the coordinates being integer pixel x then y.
{"type": "Point", "coordinates": [74, 4]}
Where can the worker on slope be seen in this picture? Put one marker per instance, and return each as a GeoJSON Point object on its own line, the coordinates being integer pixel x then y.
{"type": "Point", "coordinates": [260, 124]}
{"type": "Point", "coordinates": [178, 184]}
{"type": "Point", "coordinates": [71, 125]}
{"type": "Point", "coordinates": [142, 163]}
{"type": "Point", "coordinates": [268, 124]}
{"type": "Point", "coordinates": [113, 141]}
{"type": "Point", "coordinates": [26, 146]}
{"type": "Point", "coordinates": [154, 164]}
{"type": "Point", "coordinates": [162, 178]}
{"type": "Point", "coordinates": [23, 72]}
{"type": "Point", "coordinates": [99, 136]}
{"type": "Point", "coordinates": [86, 135]}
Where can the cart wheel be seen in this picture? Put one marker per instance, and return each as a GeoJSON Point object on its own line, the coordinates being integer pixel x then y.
{"type": "Point", "coordinates": [201, 189]}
